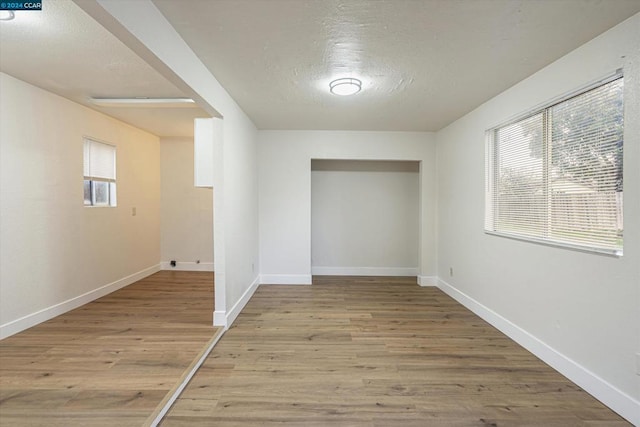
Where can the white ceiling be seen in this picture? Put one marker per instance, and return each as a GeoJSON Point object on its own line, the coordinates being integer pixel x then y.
{"type": "Point", "coordinates": [64, 51]}
{"type": "Point", "coordinates": [423, 63]}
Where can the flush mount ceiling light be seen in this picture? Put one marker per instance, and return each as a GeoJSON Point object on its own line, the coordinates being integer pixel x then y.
{"type": "Point", "coordinates": [7, 15]}
{"type": "Point", "coordinates": [144, 102]}
{"type": "Point", "coordinates": [345, 86]}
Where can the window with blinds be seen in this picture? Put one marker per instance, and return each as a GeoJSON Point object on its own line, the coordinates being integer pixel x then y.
{"type": "Point", "coordinates": [99, 173]}
{"type": "Point", "coordinates": [555, 176]}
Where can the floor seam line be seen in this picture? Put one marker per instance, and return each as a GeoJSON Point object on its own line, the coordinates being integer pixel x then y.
{"type": "Point", "coordinates": [165, 405]}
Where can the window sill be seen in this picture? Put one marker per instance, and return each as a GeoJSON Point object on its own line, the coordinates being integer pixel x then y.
{"type": "Point", "coordinates": [614, 253]}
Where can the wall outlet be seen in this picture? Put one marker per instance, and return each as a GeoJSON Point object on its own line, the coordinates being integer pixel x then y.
{"type": "Point", "coordinates": [450, 271]}
{"type": "Point", "coordinates": [637, 363]}
{"type": "Point", "coordinates": [253, 268]}
{"type": "Point", "coordinates": [133, 212]}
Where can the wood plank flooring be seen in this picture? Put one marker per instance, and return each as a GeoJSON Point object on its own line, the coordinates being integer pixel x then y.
{"type": "Point", "coordinates": [375, 352]}
{"type": "Point", "coordinates": [110, 362]}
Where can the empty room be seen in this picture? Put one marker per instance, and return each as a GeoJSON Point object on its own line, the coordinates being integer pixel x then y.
{"type": "Point", "coordinates": [320, 212]}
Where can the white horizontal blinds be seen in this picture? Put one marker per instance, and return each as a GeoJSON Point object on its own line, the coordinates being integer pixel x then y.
{"type": "Point", "coordinates": [586, 168]}
{"type": "Point", "coordinates": [99, 160]}
{"type": "Point", "coordinates": [87, 156]}
{"type": "Point", "coordinates": [519, 196]}
{"type": "Point", "coordinates": [557, 175]}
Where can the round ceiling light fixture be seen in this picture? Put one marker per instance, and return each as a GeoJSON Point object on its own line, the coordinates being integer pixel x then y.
{"type": "Point", "coordinates": [345, 86]}
{"type": "Point", "coordinates": [7, 15]}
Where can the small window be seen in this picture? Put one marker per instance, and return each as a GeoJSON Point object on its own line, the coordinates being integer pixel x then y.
{"type": "Point", "coordinates": [555, 176]}
{"type": "Point", "coordinates": [99, 173]}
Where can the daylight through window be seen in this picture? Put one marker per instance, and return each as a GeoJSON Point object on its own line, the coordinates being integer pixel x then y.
{"type": "Point", "coordinates": [555, 176]}
{"type": "Point", "coordinates": [99, 173]}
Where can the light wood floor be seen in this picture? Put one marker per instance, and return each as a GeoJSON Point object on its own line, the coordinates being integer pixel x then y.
{"type": "Point", "coordinates": [110, 362]}
{"type": "Point", "coordinates": [375, 352]}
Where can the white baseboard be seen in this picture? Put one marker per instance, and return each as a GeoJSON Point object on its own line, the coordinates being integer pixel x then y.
{"type": "Point", "coordinates": [617, 400]}
{"type": "Point", "coordinates": [19, 325]}
{"type": "Point", "coordinates": [226, 318]}
{"type": "Point", "coordinates": [428, 280]}
{"type": "Point", "coordinates": [285, 279]}
{"type": "Point", "coordinates": [220, 318]}
{"type": "Point", "coordinates": [364, 271]}
{"type": "Point", "coordinates": [244, 299]}
{"type": "Point", "coordinates": [187, 266]}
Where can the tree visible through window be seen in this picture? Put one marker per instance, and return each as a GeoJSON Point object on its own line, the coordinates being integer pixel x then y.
{"type": "Point", "coordinates": [99, 173]}
{"type": "Point", "coordinates": [557, 175]}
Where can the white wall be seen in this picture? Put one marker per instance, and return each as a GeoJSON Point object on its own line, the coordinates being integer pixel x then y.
{"type": "Point", "coordinates": [579, 311]}
{"type": "Point", "coordinates": [186, 211]}
{"type": "Point", "coordinates": [55, 253]}
{"type": "Point", "coordinates": [241, 206]}
{"type": "Point", "coordinates": [143, 28]}
{"type": "Point", "coordinates": [285, 192]}
{"type": "Point", "coordinates": [364, 217]}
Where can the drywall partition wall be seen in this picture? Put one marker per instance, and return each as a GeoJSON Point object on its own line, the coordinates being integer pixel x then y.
{"type": "Point", "coordinates": [56, 254]}
{"type": "Point", "coordinates": [364, 217]}
{"type": "Point", "coordinates": [204, 130]}
{"type": "Point", "coordinates": [285, 192]}
{"type": "Point", "coordinates": [143, 28]}
{"type": "Point", "coordinates": [579, 311]}
{"type": "Point", "coordinates": [186, 211]}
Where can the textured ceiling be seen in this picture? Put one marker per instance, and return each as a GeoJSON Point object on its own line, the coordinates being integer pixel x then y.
{"type": "Point", "coordinates": [423, 63]}
{"type": "Point", "coordinates": [64, 51]}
